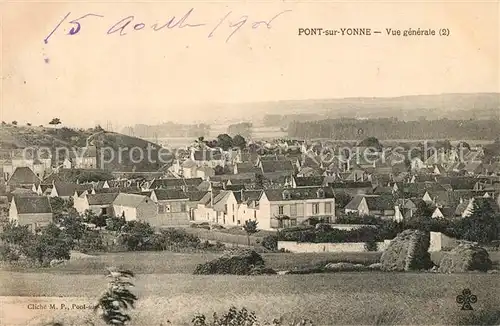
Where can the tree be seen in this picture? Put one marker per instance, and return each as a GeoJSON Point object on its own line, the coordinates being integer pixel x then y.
{"type": "Point", "coordinates": [218, 170]}
{"type": "Point", "coordinates": [259, 181]}
{"type": "Point", "coordinates": [117, 299]}
{"type": "Point", "coordinates": [370, 142]}
{"type": "Point", "coordinates": [250, 228]}
{"type": "Point", "coordinates": [224, 141]}
{"type": "Point", "coordinates": [50, 244]}
{"type": "Point", "coordinates": [55, 121]}
{"type": "Point", "coordinates": [14, 123]}
{"type": "Point", "coordinates": [342, 199]}
{"type": "Point", "coordinates": [240, 142]}
{"type": "Point", "coordinates": [483, 225]}
{"type": "Point", "coordinates": [72, 226]}
{"type": "Point", "coordinates": [28, 124]}
{"type": "Point", "coordinates": [136, 234]}
{"type": "Point", "coordinates": [463, 144]}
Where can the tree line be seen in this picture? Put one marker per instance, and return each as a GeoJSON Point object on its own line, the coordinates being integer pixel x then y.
{"type": "Point", "coordinates": [349, 129]}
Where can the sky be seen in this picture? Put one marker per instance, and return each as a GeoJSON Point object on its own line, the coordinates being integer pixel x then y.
{"type": "Point", "coordinates": [175, 74]}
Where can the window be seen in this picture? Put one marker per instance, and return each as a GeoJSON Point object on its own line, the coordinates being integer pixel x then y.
{"type": "Point", "coordinates": [255, 214]}
{"type": "Point", "coordinates": [293, 210]}
{"type": "Point", "coordinates": [328, 208]}
{"type": "Point", "coordinates": [280, 210]}
{"type": "Point", "coordinates": [183, 207]}
{"type": "Point", "coordinates": [167, 208]}
{"type": "Point", "coordinates": [233, 218]}
{"type": "Point", "coordinates": [315, 209]}
{"type": "Point", "coordinates": [233, 207]}
{"type": "Point", "coordinates": [286, 194]}
{"type": "Point", "coordinates": [225, 208]}
{"type": "Point", "coordinates": [161, 209]}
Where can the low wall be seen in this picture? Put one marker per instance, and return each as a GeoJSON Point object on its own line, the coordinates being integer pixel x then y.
{"type": "Point", "coordinates": [293, 246]}
{"type": "Point", "coordinates": [439, 241]}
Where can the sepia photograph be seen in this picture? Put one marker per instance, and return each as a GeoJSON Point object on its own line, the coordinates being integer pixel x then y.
{"type": "Point", "coordinates": [249, 163]}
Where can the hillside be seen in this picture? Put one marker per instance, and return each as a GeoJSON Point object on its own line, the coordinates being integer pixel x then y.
{"type": "Point", "coordinates": [18, 137]}
{"type": "Point", "coordinates": [460, 106]}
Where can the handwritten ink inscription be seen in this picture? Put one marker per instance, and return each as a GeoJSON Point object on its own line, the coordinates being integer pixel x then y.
{"type": "Point", "coordinates": [228, 25]}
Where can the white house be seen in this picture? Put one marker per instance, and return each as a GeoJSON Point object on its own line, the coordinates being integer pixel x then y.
{"type": "Point", "coordinates": [134, 207]}
{"type": "Point", "coordinates": [34, 211]}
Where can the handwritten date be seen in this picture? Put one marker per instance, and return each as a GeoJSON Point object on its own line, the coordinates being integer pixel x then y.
{"type": "Point", "coordinates": [227, 24]}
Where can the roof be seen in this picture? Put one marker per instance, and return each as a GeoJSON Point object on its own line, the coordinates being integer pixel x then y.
{"type": "Point", "coordinates": [305, 193]}
{"type": "Point", "coordinates": [101, 199]}
{"type": "Point", "coordinates": [207, 155]}
{"type": "Point", "coordinates": [65, 188]}
{"type": "Point", "coordinates": [129, 200]}
{"type": "Point", "coordinates": [175, 183]}
{"type": "Point", "coordinates": [247, 167]}
{"type": "Point", "coordinates": [353, 185]}
{"type": "Point", "coordinates": [23, 175]}
{"type": "Point", "coordinates": [374, 202]}
{"type": "Point", "coordinates": [188, 164]}
{"type": "Point", "coordinates": [195, 195]}
{"type": "Point", "coordinates": [277, 166]}
{"type": "Point", "coordinates": [32, 204]}
{"type": "Point", "coordinates": [309, 181]}
{"type": "Point", "coordinates": [458, 182]}
{"type": "Point", "coordinates": [164, 194]}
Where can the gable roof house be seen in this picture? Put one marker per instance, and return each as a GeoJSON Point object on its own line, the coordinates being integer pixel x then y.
{"type": "Point", "coordinates": [99, 204]}
{"type": "Point", "coordinates": [66, 190]}
{"type": "Point", "coordinates": [298, 182]}
{"type": "Point", "coordinates": [381, 206]}
{"type": "Point", "coordinates": [172, 206]}
{"type": "Point", "coordinates": [184, 184]}
{"type": "Point", "coordinates": [219, 208]}
{"type": "Point", "coordinates": [86, 158]}
{"type": "Point", "coordinates": [208, 157]}
{"type": "Point", "coordinates": [134, 207]}
{"type": "Point", "coordinates": [273, 169]}
{"type": "Point", "coordinates": [22, 177]}
{"type": "Point", "coordinates": [288, 207]}
{"type": "Point", "coordinates": [34, 211]}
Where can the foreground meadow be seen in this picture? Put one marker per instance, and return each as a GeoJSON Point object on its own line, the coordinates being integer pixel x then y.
{"type": "Point", "coordinates": [168, 292]}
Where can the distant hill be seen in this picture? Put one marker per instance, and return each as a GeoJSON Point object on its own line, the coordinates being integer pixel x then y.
{"type": "Point", "coordinates": [18, 137]}
{"type": "Point", "coordinates": [460, 106]}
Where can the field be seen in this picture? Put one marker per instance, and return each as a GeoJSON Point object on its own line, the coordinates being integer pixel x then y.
{"type": "Point", "coordinates": [167, 291]}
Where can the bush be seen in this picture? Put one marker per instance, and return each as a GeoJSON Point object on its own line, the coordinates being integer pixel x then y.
{"type": "Point", "coordinates": [465, 257]}
{"type": "Point", "coordinates": [270, 242]}
{"type": "Point", "coordinates": [238, 263]}
{"type": "Point", "coordinates": [91, 241]}
{"type": "Point", "coordinates": [408, 251]}
{"type": "Point", "coordinates": [371, 245]}
{"type": "Point", "coordinates": [9, 254]}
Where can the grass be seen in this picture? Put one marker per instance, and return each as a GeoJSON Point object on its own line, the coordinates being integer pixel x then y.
{"type": "Point", "coordinates": [185, 263]}
{"type": "Point", "coordinates": [168, 291]}
{"type": "Point", "coordinates": [341, 298]}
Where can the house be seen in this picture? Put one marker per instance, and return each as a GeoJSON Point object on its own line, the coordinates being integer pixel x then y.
{"type": "Point", "coordinates": [134, 207]}
{"type": "Point", "coordinates": [66, 190]}
{"type": "Point", "coordinates": [352, 188]}
{"type": "Point", "coordinates": [86, 158]}
{"type": "Point", "coordinates": [34, 211]}
{"type": "Point", "coordinates": [184, 184]}
{"type": "Point", "coordinates": [99, 204]}
{"type": "Point", "coordinates": [204, 172]}
{"type": "Point", "coordinates": [188, 169]}
{"type": "Point", "coordinates": [42, 189]}
{"type": "Point", "coordinates": [287, 207]}
{"type": "Point", "coordinates": [246, 167]}
{"type": "Point", "coordinates": [172, 208]}
{"type": "Point", "coordinates": [274, 169]}
{"type": "Point", "coordinates": [39, 161]}
{"type": "Point", "coordinates": [208, 157]}
{"type": "Point", "coordinates": [374, 205]}
{"type": "Point", "coordinates": [218, 208]}
{"type": "Point", "coordinates": [443, 213]}
{"type": "Point", "coordinates": [298, 182]}
{"type": "Point", "coordinates": [22, 177]}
